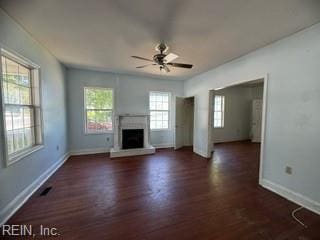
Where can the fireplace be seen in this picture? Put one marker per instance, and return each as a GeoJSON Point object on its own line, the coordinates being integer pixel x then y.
{"type": "Point", "coordinates": [132, 138]}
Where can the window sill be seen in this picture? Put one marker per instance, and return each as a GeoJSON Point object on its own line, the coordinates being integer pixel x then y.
{"type": "Point", "coordinates": [160, 130]}
{"type": "Point", "coordinates": [18, 156]}
{"type": "Point", "coordinates": [98, 133]}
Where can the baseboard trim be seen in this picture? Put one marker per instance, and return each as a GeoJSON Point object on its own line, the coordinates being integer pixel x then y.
{"type": "Point", "coordinates": [89, 151]}
{"type": "Point", "coordinates": [162, 145]}
{"type": "Point", "coordinates": [21, 198]}
{"type": "Point", "coordinates": [291, 196]}
{"type": "Point", "coordinates": [200, 152]}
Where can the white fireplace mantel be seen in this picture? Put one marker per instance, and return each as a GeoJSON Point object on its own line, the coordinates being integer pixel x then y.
{"type": "Point", "coordinates": [131, 121]}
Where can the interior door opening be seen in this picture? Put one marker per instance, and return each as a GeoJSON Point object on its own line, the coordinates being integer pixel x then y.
{"type": "Point", "coordinates": [238, 113]}
{"type": "Point", "coordinates": [184, 127]}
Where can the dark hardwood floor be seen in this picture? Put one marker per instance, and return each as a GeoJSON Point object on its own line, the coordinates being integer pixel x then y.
{"type": "Point", "coordinates": [169, 195]}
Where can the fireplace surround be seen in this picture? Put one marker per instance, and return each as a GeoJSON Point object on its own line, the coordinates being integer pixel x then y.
{"type": "Point", "coordinates": [131, 136]}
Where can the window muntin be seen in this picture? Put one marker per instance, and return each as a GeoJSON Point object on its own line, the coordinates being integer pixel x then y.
{"type": "Point", "coordinates": [218, 121]}
{"type": "Point", "coordinates": [21, 103]}
{"type": "Point", "coordinates": [159, 104]}
{"type": "Point", "coordinates": [98, 110]}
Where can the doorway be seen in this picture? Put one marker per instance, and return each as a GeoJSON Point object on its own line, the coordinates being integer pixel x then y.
{"type": "Point", "coordinates": [238, 114]}
{"type": "Point", "coordinates": [184, 118]}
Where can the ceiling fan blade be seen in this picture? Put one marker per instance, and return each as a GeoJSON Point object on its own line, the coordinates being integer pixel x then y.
{"type": "Point", "coordinates": [143, 66]}
{"type": "Point", "coordinates": [165, 67]}
{"type": "Point", "coordinates": [181, 65]}
{"type": "Point", "coordinates": [170, 57]}
{"type": "Point", "coordinates": [142, 58]}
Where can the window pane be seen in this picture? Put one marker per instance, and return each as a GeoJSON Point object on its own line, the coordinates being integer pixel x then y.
{"type": "Point", "coordinates": [24, 76]}
{"type": "Point", "coordinates": [17, 115]}
{"type": "Point", "coordinates": [152, 97]}
{"type": "Point", "coordinates": [152, 105]}
{"type": "Point", "coordinates": [28, 137]}
{"type": "Point", "coordinates": [99, 120]}
{"type": "Point", "coordinates": [18, 136]}
{"type": "Point", "coordinates": [152, 124]}
{"type": "Point", "coordinates": [218, 111]}
{"type": "Point", "coordinates": [165, 116]}
{"type": "Point", "coordinates": [27, 117]}
{"type": "Point", "coordinates": [13, 94]}
{"type": "Point", "coordinates": [91, 121]}
{"type": "Point", "coordinates": [25, 96]}
{"type": "Point", "coordinates": [217, 115]}
{"type": "Point", "coordinates": [158, 124]}
{"type": "Point", "coordinates": [158, 98]}
{"type": "Point", "coordinates": [5, 91]}
{"type": "Point", "coordinates": [12, 72]}
{"type": "Point", "coordinates": [165, 106]}
{"type": "Point", "coordinates": [159, 110]}
{"type": "Point", "coordinates": [159, 106]}
{"type": "Point", "coordinates": [9, 123]}
{"type": "Point", "coordinates": [98, 98]}
{"type": "Point", "coordinates": [152, 116]}
{"type": "Point", "coordinates": [19, 119]}
{"type": "Point", "coordinates": [10, 142]}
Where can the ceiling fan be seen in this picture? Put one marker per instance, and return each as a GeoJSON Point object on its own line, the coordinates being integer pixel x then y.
{"type": "Point", "coordinates": [163, 60]}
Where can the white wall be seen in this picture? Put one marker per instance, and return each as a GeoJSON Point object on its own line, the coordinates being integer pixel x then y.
{"type": "Point", "coordinates": [293, 115]}
{"type": "Point", "coordinates": [237, 115]}
{"type": "Point", "coordinates": [131, 96]}
{"type": "Point", "coordinates": [15, 180]}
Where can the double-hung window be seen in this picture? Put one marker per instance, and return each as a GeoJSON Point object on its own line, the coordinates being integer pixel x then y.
{"type": "Point", "coordinates": [159, 104]}
{"type": "Point", "coordinates": [218, 111]}
{"type": "Point", "coordinates": [21, 103]}
{"type": "Point", "coordinates": [98, 109]}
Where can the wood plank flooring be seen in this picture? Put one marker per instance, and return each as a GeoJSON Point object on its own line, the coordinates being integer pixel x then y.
{"type": "Point", "coordinates": [169, 195]}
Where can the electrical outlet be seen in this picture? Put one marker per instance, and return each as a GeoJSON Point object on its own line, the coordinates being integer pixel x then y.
{"type": "Point", "coordinates": [288, 170]}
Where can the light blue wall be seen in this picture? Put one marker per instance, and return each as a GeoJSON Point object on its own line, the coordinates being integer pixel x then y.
{"type": "Point", "coordinates": [236, 116]}
{"type": "Point", "coordinates": [292, 111]}
{"type": "Point", "coordinates": [131, 96]}
{"type": "Point", "coordinates": [15, 178]}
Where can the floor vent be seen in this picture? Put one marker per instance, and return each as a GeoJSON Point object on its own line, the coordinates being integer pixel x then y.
{"type": "Point", "coordinates": [45, 191]}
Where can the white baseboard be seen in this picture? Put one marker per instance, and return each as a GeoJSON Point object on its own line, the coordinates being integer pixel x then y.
{"type": "Point", "coordinates": [200, 152]}
{"type": "Point", "coordinates": [292, 196]}
{"type": "Point", "coordinates": [88, 151]}
{"type": "Point", "coordinates": [21, 198]}
{"type": "Point", "coordinates": [163, 145]}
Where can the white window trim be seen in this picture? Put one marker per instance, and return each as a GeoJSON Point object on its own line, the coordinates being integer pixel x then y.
{"type": "Point", "coordinates": [15, 157]}
{"type": "Point", "coordinates": [85, 132]}
{"type": "Point", "coordinates": [169, 112]}
{"type": "Point", "coordinates": [222, 112]}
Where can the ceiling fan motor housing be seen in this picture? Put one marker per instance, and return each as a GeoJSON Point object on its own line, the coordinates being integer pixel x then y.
{"type": "Point", "coordinates": [158, 58]}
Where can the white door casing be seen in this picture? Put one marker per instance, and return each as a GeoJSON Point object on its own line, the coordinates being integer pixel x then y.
{"type": "Point", "coordinates": [179, 140]}
{"type": "Point", "coordinates": [256, 120]}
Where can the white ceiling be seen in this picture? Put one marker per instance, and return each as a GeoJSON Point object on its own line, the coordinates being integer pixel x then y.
{"type": "Point", "coordinates": [103, 34]}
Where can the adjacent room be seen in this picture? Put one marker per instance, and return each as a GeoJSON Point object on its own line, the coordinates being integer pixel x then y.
{"type": "Point", "coordinates": [149, 119]}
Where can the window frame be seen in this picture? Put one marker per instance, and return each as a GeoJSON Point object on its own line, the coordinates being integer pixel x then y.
{"type": "Point", "coordinates": [34, 69]}
{"type": "Point", "coordinates": [85, 131]}
{"type": "Point", "coordinates": [222, 111]}
{"type": "Point", "coordinates": [169, 111]}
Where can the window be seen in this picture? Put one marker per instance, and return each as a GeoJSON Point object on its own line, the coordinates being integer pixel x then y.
{"type": "Point", "coordinates": [98, 109]}
{"type": "Point", "coordinates": [159, 110]}
{"type": "Point", "coordinates": [21, 103]}
{"type": "Point", "coordinates": [218, 111]}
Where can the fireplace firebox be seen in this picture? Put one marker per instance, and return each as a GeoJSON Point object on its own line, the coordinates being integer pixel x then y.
{"type": "Point", "coordinates": [132, 138]}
